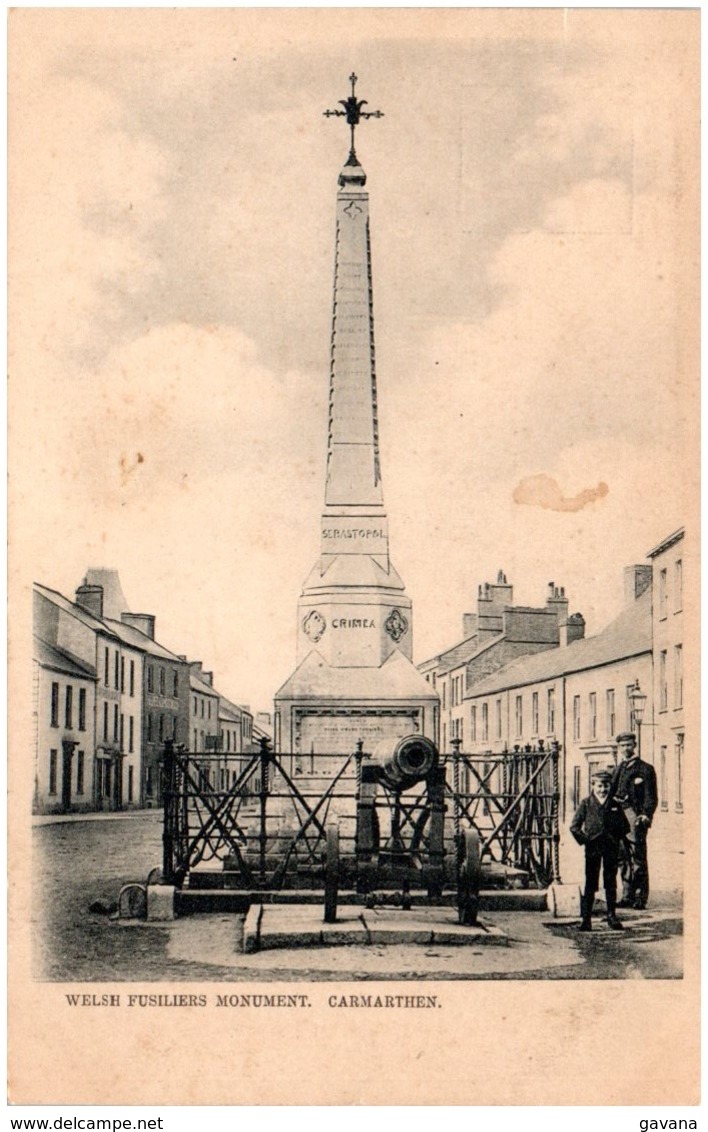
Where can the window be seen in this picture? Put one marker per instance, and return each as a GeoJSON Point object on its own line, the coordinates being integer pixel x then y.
{"type": "Point", "coordinates": [662, 594]}
{"type": "Point", "coordinates": [473, 729]}
{"type": "Point", "coordinates": [131, 734]}
{"type": "Point", "coordinates": [79, 772]}
{"type": "Point", "coordinates": [662, 779]}
{"type": "Point", "coordinates": [460, 731]}
{"type": "Point", "coordinates": [444, 737]}
{"type": "Point", "coordinates": [592, 704]}
{"type": "Point", "coordinates": [52, 772]}
{"type": "Point", "coordinates": [149, 727]}
{"type": "Point", "coordinates": [576, 720]}
{"type": "Point", "coordinates": [498, 714]}
{"type": "Point", "coordinates": [122, 731]}
{"type": "Point", "coordinates": [444, 695]}
{"type": "Point", "coordinates": [161, 727]}
{"type": "Point", "coordinates": [209, 708]}
{"type": "Point", "coordinates": [105, 722]}
{"type": "Point", "coordinates": [534, 714]}
{"type": "Point", "coordinates": [202, 708]}
{"type": "Point", "coordinates": [551, 705]}
{"type": "Point", "coordinates": [175, 683]}
{"type": "Point", "coordinates": [151, 679]}
{"type": "Point", "coordinates": [132, 677]}
{"type": "Point", "coordinates": [130, 782]}
{"type": "Point", "coordinates": [610, 712]}
{"type": "Point", "coordinates": [678, 751]}
{"type": "Point", "coordinates": [122, 674]}
{"type": "Point", "coordinates": [195, 706]}
{"type": "Point", "coordinates": [663, 687]}
{"type": "Point", "coordinates": [148, 780]}
{"type": "Point", "coordinates": [174, 727]}
{"type": "Point", "coordinates": [195, 739]}
{"type": "Point", "coordinates": [678, 676]}
{"type": "Point", "coordinates": [115, 723]}
{"type": "Point", "coordinates": [68, 708]}
{"type": "Point", "coordinates": [485, 721]}
{"type": "Point", "coordinates": [519, 716]}
{"type": "Point", "coordinates": [678, 585]}
{"type": "Point", "coordinates": [116, 671]}
{"type": "Point", "coordinates": [106, 668]}
{"type": "Point", "coordinates": [55, 705]}
{"type": "Point", "coordinates": [576, 787]}
{"type": "Point", "coordinates": [82, 709]}
{"type": "Point", "coordinates": [162, 681]}
{"type": "Point", "coordinates": [629, 714]}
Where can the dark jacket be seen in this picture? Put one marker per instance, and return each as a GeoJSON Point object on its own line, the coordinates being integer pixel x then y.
{"type": "Point", "coordinates": [634, 787]}
{"type": "Point", "coordinates": [592, 820]}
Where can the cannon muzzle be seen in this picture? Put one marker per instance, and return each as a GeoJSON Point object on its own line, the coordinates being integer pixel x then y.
{"type": "Point", "coordinates": [405, 761]}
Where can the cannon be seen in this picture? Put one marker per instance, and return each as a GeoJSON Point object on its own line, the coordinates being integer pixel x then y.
{"type": "Point", "coordinates": [403, 782]}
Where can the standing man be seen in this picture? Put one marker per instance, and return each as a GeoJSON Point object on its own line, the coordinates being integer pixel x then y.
{"type": "Point", "coordinates": [634, 787]}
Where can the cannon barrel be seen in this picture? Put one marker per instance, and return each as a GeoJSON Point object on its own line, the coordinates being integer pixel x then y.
{"type": "Point", "coordinates": [405, 761]}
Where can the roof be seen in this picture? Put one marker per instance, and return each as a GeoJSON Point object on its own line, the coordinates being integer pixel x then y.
{"type": "Point", "coordinates": [627, 636]}
{"type": "Point", "coordinates": [458, 654]}
{"type": "Point", "coordinates": [132, 636]}
{"type": "Point", "coordinates": [75, 610]}
{"type": "Point", "coordinates": [59, 661]}
{"type": "Point", "coordinates": [226, 714]}
{"type": "Point", "coordinates": [201, 686]}
{"type": "Point", "coordinates": [396, 679]}
{"type": "Point", "coordinates": [237, 709]}
{"type": "Point", "coordinates": [667, 543]}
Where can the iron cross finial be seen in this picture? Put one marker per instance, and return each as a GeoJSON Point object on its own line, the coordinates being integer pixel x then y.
{"type": "Point", "coordinates": [353, 111]}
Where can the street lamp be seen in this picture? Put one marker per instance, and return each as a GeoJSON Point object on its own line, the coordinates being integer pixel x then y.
{"type": "Point", "coordinates": [637, 701]}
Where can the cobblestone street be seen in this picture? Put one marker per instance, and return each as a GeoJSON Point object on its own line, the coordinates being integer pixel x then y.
{"type": "Point", "coordinates": [77, 862]}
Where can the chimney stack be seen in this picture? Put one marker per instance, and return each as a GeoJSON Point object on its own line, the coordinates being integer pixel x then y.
{"type": "Point", "coordinates": [557, 602]}
{"type": "Point", "coordinates": [637, 580]}
{"type": "Point", "coordinates": [90, 598]}
{"type": "Point", "coordinates": [571, 630]}
{"type": "Point", "coordinates": [143, 622]}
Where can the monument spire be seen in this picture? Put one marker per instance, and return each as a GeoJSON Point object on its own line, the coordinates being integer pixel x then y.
{"type": "Point", "coordinates": [353, 461]}
{"type": "Point", "coordinates": [355, 677]}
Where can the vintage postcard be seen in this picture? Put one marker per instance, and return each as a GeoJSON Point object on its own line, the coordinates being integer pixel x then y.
{"type": "Point", "coordinates": [354, 556]}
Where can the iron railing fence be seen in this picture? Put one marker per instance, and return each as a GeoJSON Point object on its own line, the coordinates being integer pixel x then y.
{"type": "Point", "coordinates": [261, 819]}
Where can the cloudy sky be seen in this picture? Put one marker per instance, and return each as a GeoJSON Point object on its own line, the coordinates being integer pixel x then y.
{"type": "Point", "coordinates": [172, 199]}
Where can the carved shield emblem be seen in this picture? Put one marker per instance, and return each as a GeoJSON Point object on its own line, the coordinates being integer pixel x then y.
{"type": "Point", "coordinates": [396, 625]}
{"type": "Point", "coordinates": [314, 625]}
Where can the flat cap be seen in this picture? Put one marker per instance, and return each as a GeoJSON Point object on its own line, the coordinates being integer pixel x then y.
{"type": "Point", "coordinates": [626, 737]}
{"type": "Point", "coordinates": [601, 776]}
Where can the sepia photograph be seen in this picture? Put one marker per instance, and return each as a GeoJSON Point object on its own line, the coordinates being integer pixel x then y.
{"type": "Point", "coordinates": [354, 551]}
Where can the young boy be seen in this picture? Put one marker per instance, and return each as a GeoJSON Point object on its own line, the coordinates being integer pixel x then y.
{"type": "Point", "coordinates": [599, 825]}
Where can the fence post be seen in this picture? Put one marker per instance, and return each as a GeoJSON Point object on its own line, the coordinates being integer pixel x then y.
{"type": "Point", "coordinates": [263, 798]}
{"type": "Point", "coordinates": [555, 822]}
{"type": "Point", "coordinates": [169, 802]}
{"type": "Point", "coordinates": [456, 809]}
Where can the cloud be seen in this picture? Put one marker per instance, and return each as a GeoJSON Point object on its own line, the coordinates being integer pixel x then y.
{"type": "Point", "coordinates": [543, 491]}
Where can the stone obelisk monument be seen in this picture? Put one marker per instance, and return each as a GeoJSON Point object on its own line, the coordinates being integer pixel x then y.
{"type": "Point", "coordinates": [355, 677]}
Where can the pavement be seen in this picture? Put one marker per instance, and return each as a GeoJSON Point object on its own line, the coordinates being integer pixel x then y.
{"type": "Point", "coordinates": [270, 926]}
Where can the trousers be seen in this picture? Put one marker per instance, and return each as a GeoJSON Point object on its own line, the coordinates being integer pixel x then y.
{"type": "Point", "coordinates": [602, 852]}
{"type": "Point", "coordinates": [634, 867]}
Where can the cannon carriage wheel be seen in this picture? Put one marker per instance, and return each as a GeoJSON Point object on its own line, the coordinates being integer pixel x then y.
{"type": "Point", "coordinates": [331, 874]}
{"type": "Point", "coordinates": [469, 879]}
